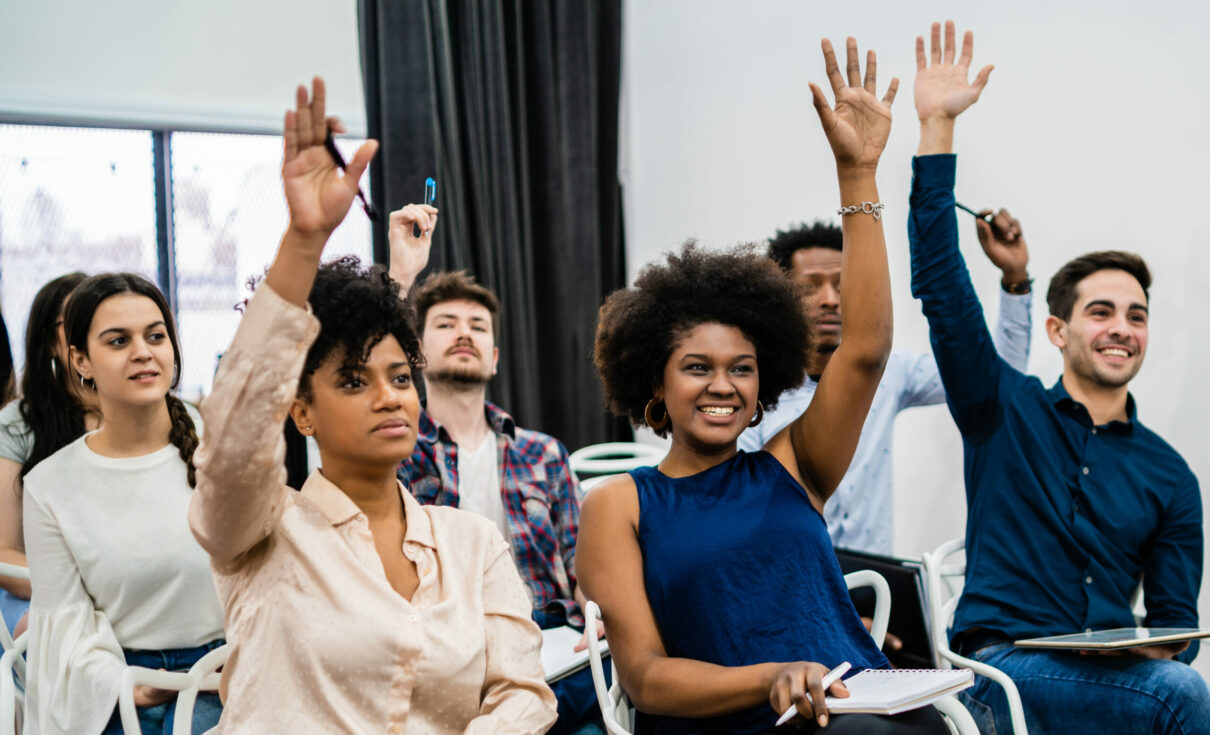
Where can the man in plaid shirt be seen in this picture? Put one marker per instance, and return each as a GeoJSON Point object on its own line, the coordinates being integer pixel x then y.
{"type": "Point", "coordinates": [470, 454]}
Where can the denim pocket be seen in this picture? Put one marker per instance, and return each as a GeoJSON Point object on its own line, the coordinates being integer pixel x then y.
{"type": "Point", "coordinates": [981, 713]}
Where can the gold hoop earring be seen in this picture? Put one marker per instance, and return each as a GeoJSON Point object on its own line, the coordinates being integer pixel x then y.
{"type": "Point", "coordinates": [759, 415]}
{"type": "Point", "coordinates": [649, 410]}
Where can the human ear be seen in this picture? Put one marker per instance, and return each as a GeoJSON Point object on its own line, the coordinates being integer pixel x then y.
{"type": "Point", "coordinates": [495, 359]}
{"type": "Point", "coordinates": [303, 417]}
{"type": "Point", "coordinates": [80, 362]}
{"type": "Point", "coordinates": [1056, 331]}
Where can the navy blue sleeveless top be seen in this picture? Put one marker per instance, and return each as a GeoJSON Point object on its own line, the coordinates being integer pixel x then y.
{"type": "Point", "coordinates": [740, 570]}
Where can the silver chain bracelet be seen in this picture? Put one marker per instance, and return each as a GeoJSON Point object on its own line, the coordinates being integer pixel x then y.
{"type": "Point", "coordinates": [874, 208]}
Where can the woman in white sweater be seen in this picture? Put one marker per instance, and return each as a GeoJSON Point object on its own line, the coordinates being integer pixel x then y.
{"type": "Point", "coordinates": [117, 578]}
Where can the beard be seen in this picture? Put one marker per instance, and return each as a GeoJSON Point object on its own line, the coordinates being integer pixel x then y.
{"type": "Point", "coordinates": [464, 376]}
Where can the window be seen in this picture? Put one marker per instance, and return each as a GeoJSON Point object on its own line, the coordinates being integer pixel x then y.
{"type": "Point", "coordinates": [71, 199]}
{"type": "Point", "coordinates": [228, 218]}
{"type": "Point", "coordinates": [85, 199]}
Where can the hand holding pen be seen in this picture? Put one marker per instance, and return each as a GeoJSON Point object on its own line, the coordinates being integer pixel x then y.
{"type": "Point", "coordinates": [798, 691]}
{"type": "Point", "coordinates": [1004, 244]}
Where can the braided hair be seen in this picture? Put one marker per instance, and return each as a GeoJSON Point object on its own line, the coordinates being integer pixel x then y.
{"type": "Point", "coordinates": [77, 319]}
{"type": "Point", "coordinates": [183, 435]}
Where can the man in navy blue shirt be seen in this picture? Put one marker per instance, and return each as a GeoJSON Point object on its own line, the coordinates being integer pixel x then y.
{"type": "Point", "coordinates": [1070, 499]}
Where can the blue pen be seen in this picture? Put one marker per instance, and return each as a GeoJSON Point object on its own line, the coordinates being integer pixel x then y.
{"type": "Point", "coordinates": [430, 191]}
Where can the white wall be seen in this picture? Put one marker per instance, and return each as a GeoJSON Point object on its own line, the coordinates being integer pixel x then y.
{"type": "Point", "coordinates": [218, 64]}
{"type": "Point", "coordinates": [1092, 131]}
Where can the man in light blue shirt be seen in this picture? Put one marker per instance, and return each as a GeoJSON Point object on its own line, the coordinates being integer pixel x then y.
{"type": "Point", "coordinates": [860, 513]}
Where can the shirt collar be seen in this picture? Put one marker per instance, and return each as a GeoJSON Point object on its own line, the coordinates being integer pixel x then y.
{"type": "Point", "coordinates": [497, 418]}
{"type": "Point", "coordinates": [338, 508]}
{"type": "Point", "coordinates": [1063, 400]}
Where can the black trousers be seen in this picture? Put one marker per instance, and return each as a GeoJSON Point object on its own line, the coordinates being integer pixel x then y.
{"type": "Point", "coordinates": [923, 721]}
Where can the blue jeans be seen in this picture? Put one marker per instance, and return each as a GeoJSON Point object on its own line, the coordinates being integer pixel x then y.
{"type": "Point", "coordinates": [12, 608]}
{"type": "Point", "coordinates": [1064, 693]}
{"type": "Point", "coordinates": [157, 720]}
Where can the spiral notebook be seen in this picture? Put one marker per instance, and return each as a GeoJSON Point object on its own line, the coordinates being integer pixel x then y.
{"type": "Point", "coordinates": [559, 657]}
{"type": "Point", "coordinates": [891, 691]}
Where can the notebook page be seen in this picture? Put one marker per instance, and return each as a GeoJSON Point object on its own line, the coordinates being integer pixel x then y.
{"type": "Point", "coordinates": [896, 690]}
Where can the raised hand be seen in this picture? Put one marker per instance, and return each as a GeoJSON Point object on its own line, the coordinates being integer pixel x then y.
{"type": "Point", "coordinates": [942, 91]}
{"type": "Point", "coordinates": [857, 128]}
{"type": "Point", "coordinates": [318, 194]}
{"type": "Point", "coordinates": [1004, 244]}
{"type": "Point", "coordinates": [409, 253]}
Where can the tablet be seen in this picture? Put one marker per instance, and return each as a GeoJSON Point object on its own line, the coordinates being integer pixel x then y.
{"type": "Point", "coordinates": [1116, 638]}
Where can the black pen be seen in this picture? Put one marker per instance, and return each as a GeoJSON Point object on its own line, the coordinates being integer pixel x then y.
{"type": "Point", "coordinates": [985, 217]}
{"type": "Point", "coordinates": [340, 161]}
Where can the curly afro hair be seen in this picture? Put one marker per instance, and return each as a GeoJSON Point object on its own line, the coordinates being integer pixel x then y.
{"type": "Point", "coordinates": [357, 307]}
{"type": "Point", "coordinates": [639, 327]}
{"type": "Point", "coordinates": [819, 234]}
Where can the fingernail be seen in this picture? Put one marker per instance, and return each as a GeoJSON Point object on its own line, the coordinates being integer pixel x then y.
{"type": "Point", "coordinates": [823, 720]}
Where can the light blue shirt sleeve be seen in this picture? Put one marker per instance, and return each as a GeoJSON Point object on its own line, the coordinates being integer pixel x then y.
{"type": "Point", "coordinates": [1011, 337]}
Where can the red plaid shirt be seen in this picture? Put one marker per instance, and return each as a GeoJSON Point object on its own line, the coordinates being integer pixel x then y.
{"type": "Point", "coordinates": [541, 499]}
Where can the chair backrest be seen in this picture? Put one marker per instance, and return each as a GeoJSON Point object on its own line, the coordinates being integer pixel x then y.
{"type": "Point", "coordinates": [611, 458]}
{"type": "Point", "coordinates": [202, 676]}
{"type": "Point", "coordinates": [942, 570]}
{"type": "Point", "coordinates": [613, 702]}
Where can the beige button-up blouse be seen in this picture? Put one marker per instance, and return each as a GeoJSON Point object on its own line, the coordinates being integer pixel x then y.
{"type": "Point", "coordinates": [320, 640]}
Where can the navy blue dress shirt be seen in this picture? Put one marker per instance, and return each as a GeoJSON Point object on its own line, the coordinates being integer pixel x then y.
{"type": "Point", "coordinates": [1063, 516]}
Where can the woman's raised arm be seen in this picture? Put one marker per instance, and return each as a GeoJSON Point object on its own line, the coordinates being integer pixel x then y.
{"type": "Point", "coordinates": [818, 446]}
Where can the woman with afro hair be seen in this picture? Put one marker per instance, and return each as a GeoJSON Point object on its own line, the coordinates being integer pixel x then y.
{"type": "Point", "coordinates": [349, 606]}
{"type": "Point", "coordinates": [714, 571]}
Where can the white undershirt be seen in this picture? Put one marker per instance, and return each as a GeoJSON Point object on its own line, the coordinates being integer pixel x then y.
{"type": "Point", "coordinates": [479, 482]}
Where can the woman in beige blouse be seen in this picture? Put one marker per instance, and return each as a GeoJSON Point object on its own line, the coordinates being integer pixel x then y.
{"type": "Point", "coordinates": [349, 607]}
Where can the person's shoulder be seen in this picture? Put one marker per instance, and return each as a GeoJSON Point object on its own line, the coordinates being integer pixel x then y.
{"type": "Point", "coordinates": [537, 445]}
{"type": "Point", "coordinates": [1162, 456]}
{"type": "Point", "coordinates": [10, 416]}
{"type": "Point", "coordinates": [49, 475]}
{"type": "Point", "coordinates": [616, 493]}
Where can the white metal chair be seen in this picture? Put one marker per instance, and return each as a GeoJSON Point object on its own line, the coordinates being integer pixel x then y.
{"type": "Point", "coordinates": [941, 574]}
{"type": "Point", "coordinates": [618, 714]}
{"type": "Point", "coordinates": [611, 458]}
{"type": "Point", "coordinates": [12, 688]}
{"type": "Point", "coordinates": [201, 677]}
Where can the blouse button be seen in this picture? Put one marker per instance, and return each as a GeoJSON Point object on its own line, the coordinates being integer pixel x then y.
{"type": "Point", "coordinates": [412, 618]}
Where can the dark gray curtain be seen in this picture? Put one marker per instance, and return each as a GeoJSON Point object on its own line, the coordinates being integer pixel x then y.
{"type": "Point", "coordinates": [513, 107]}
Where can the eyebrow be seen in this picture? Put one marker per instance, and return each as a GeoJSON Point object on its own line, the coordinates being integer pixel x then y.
{"type": "Point", "coordinates": [1111, 305]}
{"type": "Point", "coordinates": [124, 330]}
{"type": "Point", "coordinates": [706, 358]}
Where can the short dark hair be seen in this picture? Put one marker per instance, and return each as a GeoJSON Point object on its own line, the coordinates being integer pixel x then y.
{"type": "Point", "coordinates": [818, 234]}
{"type": "Point", "coordinates": [639, 327]}
{"type": "Point", "coordinates": [442, 286]}
{"type": "Point", "coordinates": [1061, 296]}
{"type": "Point", "coordinates": [357, 306]}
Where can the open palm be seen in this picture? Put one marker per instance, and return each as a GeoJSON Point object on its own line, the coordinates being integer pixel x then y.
{"type": "Point", "coordinates": [942, 90]}
{"type": "Point", "coordinates": [858, 127]}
